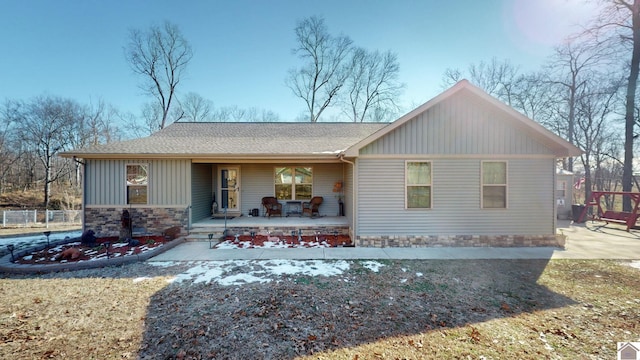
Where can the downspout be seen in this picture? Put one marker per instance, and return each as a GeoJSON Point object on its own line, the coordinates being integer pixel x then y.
{"type": "Point", "coordinates": [83, 202]}
{"type": "Point", "coordinates": [353, 197]}
{"type": "Point", "coordinates": [554, 228]}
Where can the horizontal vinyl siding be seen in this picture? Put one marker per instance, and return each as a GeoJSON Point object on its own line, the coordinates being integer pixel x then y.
{"type": "Point", "coordinates": [461, 124]}
{"type": "Point", "coordinates": [324, 177]}
{"type": "Point", "coordinates": [456, 200]}
{"type": "Point", "coordinates": [257, 181]}
{"type": "Point", "coordinates": [169, 182]}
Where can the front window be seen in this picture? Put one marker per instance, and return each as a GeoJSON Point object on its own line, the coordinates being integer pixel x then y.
{"type": "Point", "coordinates": [494, 184]}
{"type": "Point", "coordinates": [418, 185]}
{"type": "Point", "coordinates": [137, 184]}
{"type": "Point", "coordinates": [294, 183]}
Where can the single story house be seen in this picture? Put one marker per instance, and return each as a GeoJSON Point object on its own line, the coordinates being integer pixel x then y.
{"type": "Point", "coordinates": [463, 169]}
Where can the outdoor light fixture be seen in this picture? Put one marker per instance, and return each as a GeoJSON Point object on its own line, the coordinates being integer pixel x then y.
{"type": "Point", "coordinates": [11, 247]}
{"type": "Point", "coordinates": [210, 239]}
{"type": "Point", "coordinates": [237, 236]}
{"type": "Point", "coordinates": [47, 233]}
{"type": "Point", "coordinates": [299, 234]}
{"type": "Point", "coordinates": [106, 246]}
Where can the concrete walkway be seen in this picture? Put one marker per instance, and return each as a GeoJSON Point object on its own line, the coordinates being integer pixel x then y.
{"type": "Point", "coordinates": [584, 241]}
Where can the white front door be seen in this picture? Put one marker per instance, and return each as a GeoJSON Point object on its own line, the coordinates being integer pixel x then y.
{"type": "Point", "coordinates": [229, 189]}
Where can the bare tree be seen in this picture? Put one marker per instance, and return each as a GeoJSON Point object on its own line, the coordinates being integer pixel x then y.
{"type": "Point", "coordinates": [9, 152]}
{"type": "Point", "coordinates": [372, 85]}
{"type": "Point", "coordinates": [237, 114]}
{"type": "Point", "coordinates": [496, 77]}
{"type": "Point", "coordinates": [450, 77]}
{"type": "Point", "coordinates": [93, 124]}
{"type": "Point", "coordinates": [618, 26]}
{"type": "Point", "coordinates": [535, 97]}
{"type": "Point", "coordinates": [151, 116]}
{"type": "Point", "coordinates": [570, 68]}
{"type": "Point", "coordinates": [160, 55]}
{"type": "Point", "coordinates": [318, 81]}
{"type": "Point", "coordinates": [45, 124]}
{"type": "Point", "coordinates": [594, 108]}
{"type": "Point", "coordinates": [196, 108]}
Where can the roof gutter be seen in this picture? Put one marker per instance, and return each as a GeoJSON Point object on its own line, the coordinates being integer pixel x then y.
{"type": "Point", "coordinates": [204, 158]}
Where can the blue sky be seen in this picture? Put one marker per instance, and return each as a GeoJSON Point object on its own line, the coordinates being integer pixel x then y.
{"type": "Point", "coordinates": [242, 48]}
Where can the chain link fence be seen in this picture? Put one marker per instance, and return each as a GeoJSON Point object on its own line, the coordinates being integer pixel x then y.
{"type": "Point", "coordinates": [41, 218]}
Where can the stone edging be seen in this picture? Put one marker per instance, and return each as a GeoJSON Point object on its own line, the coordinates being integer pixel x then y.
{"type": "Point", "coordinates": [6, 266]}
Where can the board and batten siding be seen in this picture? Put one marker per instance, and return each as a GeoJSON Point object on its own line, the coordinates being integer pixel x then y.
{"type": "Point", "coordinates": [456, 199]}
{"type": "Point", "coordinates": [169, 182]}
{"type": "Point", "coordinates": [461, 124]}
{"type": "Point", "coordinates": [202, 191]}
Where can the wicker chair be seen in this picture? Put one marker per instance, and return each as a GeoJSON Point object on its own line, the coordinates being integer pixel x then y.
{"type": "Point", "coordinates": [311, 207]}
{"type": "Point", "coordinates": [271, 206]}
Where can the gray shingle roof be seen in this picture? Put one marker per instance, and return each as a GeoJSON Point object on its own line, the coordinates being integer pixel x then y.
{"type": "Point", "coordinates": [247, 139]}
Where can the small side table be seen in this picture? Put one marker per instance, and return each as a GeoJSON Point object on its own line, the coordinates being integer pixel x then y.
{"type": "Point", "coordinates": [293, 208]}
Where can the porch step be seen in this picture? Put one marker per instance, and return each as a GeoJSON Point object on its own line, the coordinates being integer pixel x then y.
{"type": "Point", "coordinates": [229, 215]}
{"type": "Point", "coordinates": [200, 232]}
{"type": "Point", "coordinates": [202, 237]}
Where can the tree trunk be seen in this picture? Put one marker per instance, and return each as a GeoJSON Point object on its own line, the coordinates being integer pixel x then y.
{"type": "Point", "coordinates": [572, 121]}
{"type": "Point", "coordinates": [627, 170]}
{"type": "Point", "coordinates": [47, 186]}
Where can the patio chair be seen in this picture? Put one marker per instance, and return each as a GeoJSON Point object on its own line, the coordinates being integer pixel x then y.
{"type": "Point", "coordinates": [271, 206]}
{"type": "Point", "coordinates": [311, 207]}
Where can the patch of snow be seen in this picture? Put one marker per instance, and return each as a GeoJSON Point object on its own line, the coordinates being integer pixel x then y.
{"type": "Point", "coordinates": [418, 274]}
{"type": "Point", "coordinates": [23, 242]}
{"type": "Point", "coordinates": [372, 265]}
{"type": "Point", "coordinates": [239, 279]}
{"type": "Point", "coordinates": [274, 242]}
{"type": "Point", "coordinates": [226, 272]}
{"type": "Point", "coordinates": [635, 264]}
{"type": "Point", "coordinates": [140, 279]}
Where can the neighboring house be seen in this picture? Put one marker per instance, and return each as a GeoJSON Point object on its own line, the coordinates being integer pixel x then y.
{"type": "Point", "coordinates": [464, 169]}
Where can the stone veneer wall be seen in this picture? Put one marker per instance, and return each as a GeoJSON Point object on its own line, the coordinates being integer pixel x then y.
{"type": "Point", "coordinates": [460, 241]}
{"type": "Point", "coordinates": [286, 230]}
{"type": "Point", "coordinates": [106, 221]}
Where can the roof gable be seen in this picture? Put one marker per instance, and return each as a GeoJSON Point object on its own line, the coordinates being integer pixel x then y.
{"type": "Point", "coordinates": [462, 129]}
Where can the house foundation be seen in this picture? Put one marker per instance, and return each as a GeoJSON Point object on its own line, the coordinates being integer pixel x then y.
{"type": "Point", "coordinates": [106, 221]}
{"type": "Point", "coordinates": [460, 241]}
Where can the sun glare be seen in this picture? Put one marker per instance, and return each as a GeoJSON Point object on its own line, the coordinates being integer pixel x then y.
{"type": "Point", "coordinates": [547, 22]}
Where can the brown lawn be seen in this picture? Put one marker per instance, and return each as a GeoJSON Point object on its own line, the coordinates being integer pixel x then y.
{"type": "Point", "coordinates": [498, 309]}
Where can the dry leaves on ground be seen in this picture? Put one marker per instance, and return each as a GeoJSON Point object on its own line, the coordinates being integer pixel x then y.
{"type": "Point", "coordinates": [526, 309]}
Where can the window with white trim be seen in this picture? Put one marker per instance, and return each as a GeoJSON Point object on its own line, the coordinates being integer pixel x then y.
{"type": "Point", "coordinates": [494, 185]}
{"type": "Point", "coordinates": [137, 183]}
{"type": "Point", "coordinates": [293, 183]}
{"type": "Point", "coordinates": [418, 184]}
